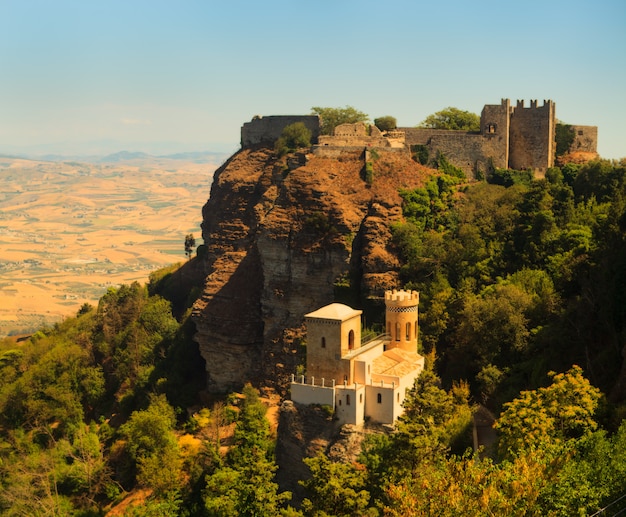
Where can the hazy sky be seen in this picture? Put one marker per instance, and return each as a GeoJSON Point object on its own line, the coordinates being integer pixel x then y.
{"type": "Point", "coordinates": [163, 76]}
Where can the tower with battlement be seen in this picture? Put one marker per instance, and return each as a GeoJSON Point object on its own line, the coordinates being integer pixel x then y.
{"type": "Point", "coordinates": [532, 136]}
{"type": "Point", "coordinates": [401, 319]}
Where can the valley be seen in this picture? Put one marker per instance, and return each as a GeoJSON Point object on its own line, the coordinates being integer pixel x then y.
{"type": "Point", "coordinates": [69, 230]}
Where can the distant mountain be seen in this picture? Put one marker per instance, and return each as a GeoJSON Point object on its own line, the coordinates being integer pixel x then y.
{"type": "Point", "coordinates": [123, 156]}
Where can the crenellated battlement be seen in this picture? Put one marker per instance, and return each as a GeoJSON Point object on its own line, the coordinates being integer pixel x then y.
{"type": "Point", "coordinates": [402, 297]}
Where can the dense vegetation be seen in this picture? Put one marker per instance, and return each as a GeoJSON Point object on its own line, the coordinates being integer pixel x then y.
{"type": "Point", "coordinates": [519, 279]}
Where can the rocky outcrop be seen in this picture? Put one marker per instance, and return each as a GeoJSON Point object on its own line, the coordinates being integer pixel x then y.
{"type": "Point", "coordinates": [279, 235]}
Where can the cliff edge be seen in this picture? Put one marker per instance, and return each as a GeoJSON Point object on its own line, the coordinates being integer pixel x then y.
{"type": "Point", "coordinates": [281, 234]}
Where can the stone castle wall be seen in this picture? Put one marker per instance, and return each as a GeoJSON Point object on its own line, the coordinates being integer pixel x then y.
{"type": "Point", "coordinates": [585, 139]}
{"type": "Point", "coordinates": [510, 137]}
{"type": "Point", "coordinates": [266, 130]}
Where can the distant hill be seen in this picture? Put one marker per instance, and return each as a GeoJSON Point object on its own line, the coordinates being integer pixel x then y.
{"type": "Point", "coordinates": [123, 156]}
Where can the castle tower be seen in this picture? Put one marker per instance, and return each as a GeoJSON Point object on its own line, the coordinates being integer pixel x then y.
{"type": "Point", "coordinates": [401, 319]}
{"type": "Point", "coordinates": [333, 332]}
{"type": "Point", "coordinates": [532, 137]}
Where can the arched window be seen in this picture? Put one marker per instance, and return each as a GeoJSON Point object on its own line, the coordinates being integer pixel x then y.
{"type": "Point", "coordinates": [351, 340]}
{"type": "Point", "coordinates": [408, 332]}
{"type": "Point", "coordinates": [323, 342]}
{"type": "Point", "coordinates": [348, 399]}
{"type": "Point", "coordinates": [379, 398]}
{"type": "Point", "coordinates": [397, 331]}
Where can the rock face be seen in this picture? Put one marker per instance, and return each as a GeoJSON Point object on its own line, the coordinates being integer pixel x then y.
{"type": "Point", "coordinates": [280, 234]}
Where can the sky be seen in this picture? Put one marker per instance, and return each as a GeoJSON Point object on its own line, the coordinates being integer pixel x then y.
{"type": "Point", "coordinates": [99, 76]}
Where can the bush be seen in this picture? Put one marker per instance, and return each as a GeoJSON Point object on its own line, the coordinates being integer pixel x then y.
{"type": "Point", "coordinates": [294, 136]}
{"type": "Point", "coordinates": [386, 123]}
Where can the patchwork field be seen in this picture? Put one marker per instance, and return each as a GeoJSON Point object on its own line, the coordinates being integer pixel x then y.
{"type": "Point", "coordinates": [70, 230]}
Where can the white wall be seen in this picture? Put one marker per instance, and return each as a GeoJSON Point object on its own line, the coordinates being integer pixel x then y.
{"type": "Point", "coordinates": [307, 394]}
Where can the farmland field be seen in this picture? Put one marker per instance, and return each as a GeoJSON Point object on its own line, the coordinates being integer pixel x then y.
{"type": "Point", "coordinates": [70, 230]}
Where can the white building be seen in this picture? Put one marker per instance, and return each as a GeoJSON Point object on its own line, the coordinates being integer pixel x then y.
{"type": "Point", "coordinates": [361, 380]}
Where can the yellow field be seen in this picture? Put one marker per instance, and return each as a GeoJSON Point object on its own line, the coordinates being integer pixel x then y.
{"type": "Point", "coordinates": [70, 230]}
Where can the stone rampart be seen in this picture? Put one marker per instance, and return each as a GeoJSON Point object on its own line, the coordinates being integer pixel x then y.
{"type": "Point", "coordinates": [266, 130]}
{"type": "Point", "coordinates": [585, 139]}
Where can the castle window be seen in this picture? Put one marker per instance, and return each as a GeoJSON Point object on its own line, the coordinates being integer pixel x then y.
{"type": "Point", "coordinates": [415, 329]}
{"type": "Point", "coordinates": [398, 398]}
{"type": "Point", "coordinates": [348, 400]}
{"type": "Point", "coordinates": [491, 128]}
{"type": "Point", "coordinates": [361, 398]}
{"type": "Point", "coordinates": [351, 340]}
{"type": "Point", "coordinates": [323, 342]}
{"type": "Point", "coordinates": [397, 331]}
{"type": "Point", "coordinates": [408, 331]}
{"type": "Point", "coordinates": [379, 398]}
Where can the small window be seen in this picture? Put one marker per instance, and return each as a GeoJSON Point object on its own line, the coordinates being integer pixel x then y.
{"type": "Point", "coordinates": [491, 128]}
{"type": "Point", "coordinates": [379, 398]}
{"type": "Point", "coordinates": [340, 402]}
{"type": "Point", "coordinates": [398, 397]}
{"type": "Point", "coordinates": [361, 398]}
{"type": "Point", "coordinates": [323, 342]}
{"type": "Point", "coordinates": [348, 400]}
{"type": "Point", "coordinates": [415, 329]}
{"type": "Point", "coordinates": [351, 340]}
{"type": "Point", "coordinates": [408, 331]}
{"type": "Point", "coordinates": [397, 331]}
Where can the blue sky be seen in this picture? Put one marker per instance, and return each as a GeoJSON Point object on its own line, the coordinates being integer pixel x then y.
{"type": "Point", "coordinates": [164, 76]}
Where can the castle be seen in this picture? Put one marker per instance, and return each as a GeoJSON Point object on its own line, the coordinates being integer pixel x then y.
{"type": "Point", "coordinates": [361, 380]}
{"type": "Point", "coordinates": [510, 137]}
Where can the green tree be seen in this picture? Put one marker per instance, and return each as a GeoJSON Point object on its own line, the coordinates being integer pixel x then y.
{"type": "Point", "coordinates": [563, 410]}
{"type": "Point", "coordinates": [295, 136]}
{"type": "Point", "coordinates": [452, 118]}
{"type": "Point", "coordinates": [386, 123]}
{"type": "Point", "coordinates": [336, 489]}
{"type": "Point", "coordinates": [332, 117]}
{"type": "Point", "coordinates": [190, 244]}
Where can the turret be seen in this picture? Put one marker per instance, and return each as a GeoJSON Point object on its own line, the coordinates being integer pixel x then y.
{"type": "Point", "coordinates": [402, 319]}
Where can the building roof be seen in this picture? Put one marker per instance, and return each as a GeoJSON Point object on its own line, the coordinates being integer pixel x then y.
{"type": "Point", "coordinates": [397, 362]}
{"type": "Point", "coordinates": [334, 311]}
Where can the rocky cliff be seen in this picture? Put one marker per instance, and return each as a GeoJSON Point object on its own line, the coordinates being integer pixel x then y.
{"type": "Point", "coordinates": [281, 234]}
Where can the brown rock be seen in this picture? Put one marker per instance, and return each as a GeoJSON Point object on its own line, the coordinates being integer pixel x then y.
{"type": "Point", "coordinates": [278, 238]}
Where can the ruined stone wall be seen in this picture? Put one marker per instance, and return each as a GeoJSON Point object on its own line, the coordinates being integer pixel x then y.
{"type": "Point", "coordinates": [495, 127]}
{"type": "Point", "coordinates": [469, 152]}
{"type": "Point", "coordinates": [585, 139]}
{"type": "Point", "coordinates": [266, 130]}
{"type": "Point", "coordinates": [532, 136]}
{"type": "Point", "coordinates": [339, 151]}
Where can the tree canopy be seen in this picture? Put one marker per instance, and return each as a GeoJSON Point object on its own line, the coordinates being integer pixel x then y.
{"type": "Point", "coordinates": [332, 117]}
{"type": "Point", "coordinates": [452, 118]}
{"type": "Point", "coordinates": [386, 123]}
{"type": "Point", "coordinates": [295, 136]}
